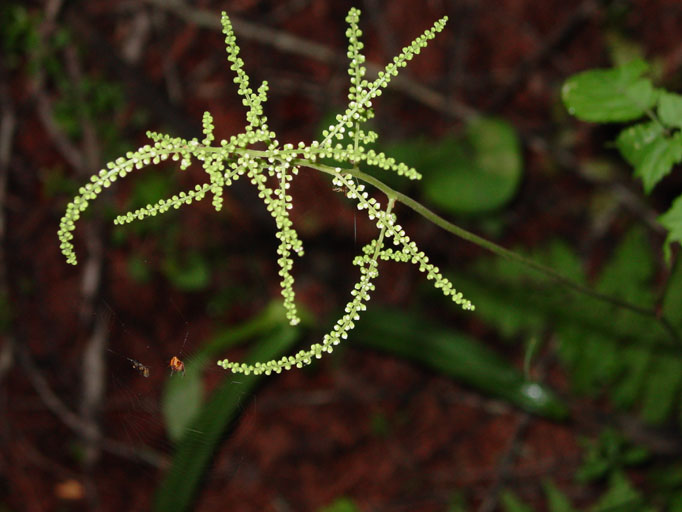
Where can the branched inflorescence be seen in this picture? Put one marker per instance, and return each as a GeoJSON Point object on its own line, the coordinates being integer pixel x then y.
{"type": "Point", "coordinates": [272, 170]}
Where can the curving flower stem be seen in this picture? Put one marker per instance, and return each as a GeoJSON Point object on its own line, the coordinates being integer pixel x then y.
{"type": "Point", "coordinates": [498, 249]}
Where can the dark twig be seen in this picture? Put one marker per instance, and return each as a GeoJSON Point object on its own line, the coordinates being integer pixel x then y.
{"type": "Point", "coordinates": [93, 370]}
{"type": "Point", "coordinates": [73, 421]}
{"type": "Point", "coordinates": [7, 130]}
{"type": "Point", "coordinates": [288, 43]}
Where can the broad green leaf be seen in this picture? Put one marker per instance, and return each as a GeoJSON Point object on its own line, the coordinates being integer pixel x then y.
{"type": "Point", "coordinates": [670, 109]}
{"type": "Point", "coordinates": [556, 500]}
{"type": "Point", "coordinates": [481, 174]}
{"type": "Point", "coordinates": [659, 159]}
{"type": "Point", "coordinates": [457, 355]}
{"type": "Point", "coordinates": [672, 221]}
{"type": "Point", "coordinates": [182, 401]}
{"type": "Point", "coordinates": [609, 95]}
{"type": "Point", "coordinates": [199, 444]}
{"type": "Point", "coordinates": [650, 151]}
{"type": "Point", "coordinates": [634, 141]}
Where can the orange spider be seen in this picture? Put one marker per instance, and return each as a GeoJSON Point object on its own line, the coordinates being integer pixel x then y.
{"type": "Point", "coordinates": [177, 366]}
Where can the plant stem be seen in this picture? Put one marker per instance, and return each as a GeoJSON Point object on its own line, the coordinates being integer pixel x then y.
{"type": "Point", "coordinates": [497, 249]}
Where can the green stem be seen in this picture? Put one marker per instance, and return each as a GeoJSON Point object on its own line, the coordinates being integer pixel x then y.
{"type": "Point", "coordinates": [497, 249]}
{"type": "Point", "coordinates": [482, 242]}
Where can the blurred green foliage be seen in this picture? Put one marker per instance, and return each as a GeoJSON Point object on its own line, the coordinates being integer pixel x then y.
{"type": "Point", "coordinates": [610, 452]}
{"type": "Point", "coordinates": [608, 350]}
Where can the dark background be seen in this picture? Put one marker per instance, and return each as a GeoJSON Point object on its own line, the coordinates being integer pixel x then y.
{"type": "Point", "coordinates": [82, 81]}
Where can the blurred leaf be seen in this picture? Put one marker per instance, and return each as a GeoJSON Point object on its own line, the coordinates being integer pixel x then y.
{"type": "Point", "coordinates": [672, 300]}
{"type": "Point", "coordinates": [662, 389]}
{"type": "Point", "coordinates": [456, 355]}
{"type": "Point", "coordinates": [629, 272]}
{"type": "Point", "coordinates": [56, 183]}
{"type": "Point", "coordinates": [510, 502]}
{"type": "Point", "coordinates": [672, 221]}
{"type": "Point", "coordinates": [635, 362]}
{"type": "Point", "coordinates": [606, 95]}
{"type": "Point", "coordinates": [138, 269]}
{"type": "Point", "coordinates": [622, 49]}
{"type": "Point", "coordinates": [610, 453]}
{"type": "Point", "coordinates": [199, 444]}
{"type": "Point", "coordinates": [620, 497]}
{"type": "Point", "coordinates": [477, 174]}
{"type": "Point", "coordinates": [19, 35]}
{"type": "Point", "coordinates": [181, 402]}
{"type": "Point", "coordinates": [183, 396]}
{"type": "Point", "coordinates": [670, 109]}
{"type": "Point", "coordinates": [149, 187]}
{"type": "Point", "coordinates": [556, 500]}
{"type": "Point", "coordinates": [190, 272]}
{"type": "Point", "coordinates": [341, 505]}
{"type": "Point", "coordinates": [676, 501]}
{"type": "Point", "coordinates": [608, 350]}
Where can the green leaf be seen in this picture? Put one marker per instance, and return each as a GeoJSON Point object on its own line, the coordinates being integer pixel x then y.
{"type": "Point", "coordinates": [199, 444]}
{"type": "Point", "coordinates": [479, 173]}
{"type": "Point", "coordinates": [633, 142]}
{"type": "Point", "coordinates": [182, 401]}
{"type": "Point", "coordinates": [609, 95]}
{"type": "Point", "coordinates": [670, 109]}
{"type": "Point", "coordinates": [672, 221]}
{"type": "Point", "coordinates": [659, 159]}
{"type": "Point", "coordinates": [457, 355]}
{"type": "Point", "coordinates": [653, 154]}
{"type": "Point", "coordinates": [511, 503]}
{"type": "Point", "coordinates": [556, 500]}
